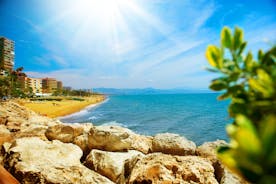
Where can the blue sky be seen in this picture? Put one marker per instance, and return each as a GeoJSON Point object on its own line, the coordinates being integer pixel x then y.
{"type": "Point", "coordinates": [128, 43]}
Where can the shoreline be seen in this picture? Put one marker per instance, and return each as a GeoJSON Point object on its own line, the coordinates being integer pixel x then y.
{"type": "Point", "coordinates": [82, 110]}
{"type": "Point", "coordinates": [65, 107]}
{"type": "Point", "coordinates": [75, 149]}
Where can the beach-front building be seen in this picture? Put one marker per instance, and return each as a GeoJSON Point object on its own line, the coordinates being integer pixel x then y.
{"type": "Point", "coordinates": [51, 85]}
{"type": "Point", "coordinates": [6, 54]}
{"type": "Point", "coordinates": [59, 85]}
{"type": "Point", "coordinates": [35, 84]}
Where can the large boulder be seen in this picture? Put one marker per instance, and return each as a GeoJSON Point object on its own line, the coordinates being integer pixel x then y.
{"type": "Point", "coordinates": [224, 176]}
{"type": "Point", "coordinates": [16, 117]}
{"type": "Point", "coordinates": [32, 161]}
{"type": "Point", "coordinates": [115, 138]}
{"type": "Point", "coordinates": [114, 165]}
{"type": "Point", "coordinates": [63, 133]}
{"type": "Point", "coordinates": [161, 168]}
{"type": "Point", "coordinates": [209, 149]}
{"type": "Point", "coordinates": [173, 144]}
{"type": "Point", "coordinates": [82, 140]}
{"type": "Point", "coordinates": [32, 130]}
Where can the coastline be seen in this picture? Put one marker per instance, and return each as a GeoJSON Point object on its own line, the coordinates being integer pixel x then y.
{"type": "Point", "coordinates": [65, 107]}
{"type": "Point", "coordinates": [83, 110]}
{"type": "Point", "coordinates": [61, 153]}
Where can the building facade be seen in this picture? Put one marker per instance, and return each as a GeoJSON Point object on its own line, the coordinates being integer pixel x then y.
{"type": "Point", "coordinates": [59, 86]}
{"type": "Point", "coordinates": [6, 54]}
{"type": "Point", "coordinates": [49, 85]}
{"type": "Point", "coordinates": [35, 84]}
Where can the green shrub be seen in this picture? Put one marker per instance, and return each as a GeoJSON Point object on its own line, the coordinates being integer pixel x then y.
{"type": "Point", "coordinates": [250, 83]}
{"type": "Point", "coordinates": [78, 99]}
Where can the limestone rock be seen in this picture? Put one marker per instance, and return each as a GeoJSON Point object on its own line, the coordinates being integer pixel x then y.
{"type": "Point", "coordinates": [160, 168]}
{"type": "Point", "coordinates": [5, 134]}
{"type": "Point", "coordinates": [173, 144]}
{"type": "Point", "coordinates": [85, 127]}
{"type": "Point", "coordinates": [82, 142]}
{"type": "Point", "coordinates": [32, 161]}
{"type": "Point", "coordinates": [114, 138]}
{"type": "Point", "coordinates": [141, 143]}
{"type": "Point", "coordinates": [208, 149]}
{"type": "Point", "coordinates": [229, 177]}
{"type": "Point", "coordinates": [114, 165]}
{"type": "Point", "coordinates": [223, 175]}
{"type": "Point", "coordinates": [17, 117]}
{"type": "Point", "coordinates": [32, 130]}
{"type": "Point", "coordinates": [3, 120]}
{"type": "Point", "coordinates": [63, 133]}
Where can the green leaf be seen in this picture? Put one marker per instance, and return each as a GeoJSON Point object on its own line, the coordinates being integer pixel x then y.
{"type": "Point", "coordinates": [223, 149]}
{"type": "Point", "coordinates": [260, 55]}
{"type": "Point", "coordinates": [227, 158]}
{"type": "Point", "coordinates": [254, 84]}
{"type": "Point", "coordinates": [263, 84]}
{"type": "Point", "coordinates": [264, 77]}
{"type": "Point", "coordinates": [213, 55]}
{"type": "Point", "coordinates": [244, 123]}
{"type": "Point", "coordinates": [224, 96]}
{"type": "Point", "coordinates": [268, 137]}
{"type": "Point", "coordinates": [243, 45]}
{"type": "Point", "coordinates": [212, 70]}
{"type": "Point", "coordinates": [273, 58]}
{"type": "Point", "coordinates": [234, 76]}
{"type": "Point", "coordinates": [226, 37]}
{"type": "Point", "coordinates": [238, 38]}
{"type": "Point", "coordinates": [237, 107]}
{"type": "Point", "coordinates": [218, 84]}
{"type": "Point", "coordinates": [249, 61]}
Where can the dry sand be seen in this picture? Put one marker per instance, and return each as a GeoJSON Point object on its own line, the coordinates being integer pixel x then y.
{"type": "Point", "coordinates": [64, 107]}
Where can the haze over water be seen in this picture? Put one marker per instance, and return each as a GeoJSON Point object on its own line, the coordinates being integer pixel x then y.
{"type": "Point", "coordinates": [199, 117]}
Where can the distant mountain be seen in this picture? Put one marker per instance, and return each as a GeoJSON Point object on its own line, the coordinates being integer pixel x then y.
{"type": "Point", "coordinates": [146, 91]}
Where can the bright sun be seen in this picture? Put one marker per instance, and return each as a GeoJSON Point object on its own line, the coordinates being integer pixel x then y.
{"type": "Point", "coordinates": [108, 22]}
{"type": "Point", "coordinates": [103, 9]}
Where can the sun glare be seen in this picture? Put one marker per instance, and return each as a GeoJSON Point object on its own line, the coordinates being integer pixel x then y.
{"type": "Point", "coordinates": [109, 22]}
{"type": "Point", "coordinates": [104, 9]}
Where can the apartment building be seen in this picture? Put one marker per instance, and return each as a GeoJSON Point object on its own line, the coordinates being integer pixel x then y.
{"type": "Point", "coordinates": [35, 84]}
{"type": "Point", "coordinates": [50, 85]}
{"type": "Point", "coordinates": [59, 85]}
{"type": "Point", "coordinates": [6, 54]}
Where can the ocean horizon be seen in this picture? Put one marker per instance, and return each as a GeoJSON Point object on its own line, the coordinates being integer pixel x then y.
{"type": "Point", "coordinates": [198, 117]}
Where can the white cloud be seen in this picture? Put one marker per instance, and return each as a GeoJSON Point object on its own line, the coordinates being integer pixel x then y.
{"type": "Point", "coordinates": [49, 59]}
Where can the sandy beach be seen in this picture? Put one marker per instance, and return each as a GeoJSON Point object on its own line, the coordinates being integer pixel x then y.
{"type": "Point", "coordinates": [54, 109]}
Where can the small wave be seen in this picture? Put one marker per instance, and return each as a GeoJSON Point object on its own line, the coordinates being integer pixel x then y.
{"type": "Point", "coordinates": [114, 123]}
{"type": "Point", "coordinates": [93, 118]}
{"type": "Point", "coordinates": [83, 111]}
{"type": "Point", "coordinates": [77, 114]}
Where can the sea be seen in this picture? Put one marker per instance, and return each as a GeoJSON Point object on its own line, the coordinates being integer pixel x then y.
{"type": "Point", "coordinates": [198, 117]}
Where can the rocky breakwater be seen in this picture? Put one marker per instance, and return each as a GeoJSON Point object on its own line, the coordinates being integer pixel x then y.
{"type": "Point", "coordinates": [36, 149]}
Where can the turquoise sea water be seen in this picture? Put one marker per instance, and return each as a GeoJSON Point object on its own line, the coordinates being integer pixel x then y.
{"type": "Point", "coordinates": [199, 117]}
